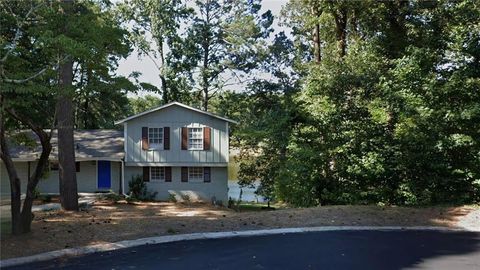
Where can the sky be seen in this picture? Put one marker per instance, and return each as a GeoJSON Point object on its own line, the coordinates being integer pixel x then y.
{"type": "Point", "coordinates": [150, 73]}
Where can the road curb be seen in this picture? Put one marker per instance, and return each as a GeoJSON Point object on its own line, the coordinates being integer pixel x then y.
{"type": "Point", "coordinates": [70, 252]}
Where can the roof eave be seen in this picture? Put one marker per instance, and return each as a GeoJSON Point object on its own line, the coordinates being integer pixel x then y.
{"type": "Point", "coordinates": [171, 104]}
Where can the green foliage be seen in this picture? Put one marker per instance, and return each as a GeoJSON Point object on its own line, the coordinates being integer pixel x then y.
{"type": "Point", "coordinates": [138, 190]}
{"type": "Point", "coordinates": [393, 120]}
{"type": "Point", "coordinates": [114, 196]}
{"type": "Point", "coordinates": [381, 105]}
{"type": "Point", "coordinates": [185, 198]}
{"type": "Point", "coordinates": [141, 104]}
{"type": "Point", "coordinates": [36, 193]}
{"type": "Point", "coordinates": [24, 139]}
{"type": "Point", "coordinates": [172, 198]}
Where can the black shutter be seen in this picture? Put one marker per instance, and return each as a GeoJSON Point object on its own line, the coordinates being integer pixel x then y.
{"type": "Point", "coordinates": [166, 138]}
{"type": "Point", "coordinates": [184, 174]}
{"type": "Point", "coordinates": [207, 175]}
{"type": "Point", "coordinates": [168, 174]}
{"type": "Point", "coordinates": [146, 174]}
{"type": "Point", "coordinates": [206, 138]}
{"type": "Point", "coordinates": [184, 138]}
{"type": "Point", "coordinates": [145, 138]}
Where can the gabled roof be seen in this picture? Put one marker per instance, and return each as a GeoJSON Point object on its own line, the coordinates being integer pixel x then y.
{"type": "Point", "coordinates": [172, 104]}
{"type": "Point", "coordinates": [95, 144]}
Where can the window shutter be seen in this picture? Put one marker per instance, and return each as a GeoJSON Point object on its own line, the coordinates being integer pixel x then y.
{"type": "Point", "coordinates": [184, 174]}
{"type": "Point", "coordinates": [146, 174]}
{"type": "Point", "coordinates": [206, 175]}
{"type": "Point", "coordinates": [166, 138]}
{"type": "Point", "coordinates": [168, 174]}
{"type": "Point", "coordinates": [145, 138]}
{"type": "Point", "coordinates": [184, 138]}
{"type": "Point", "coordinates": [206, 138]}
{"type": "Point", "coordinates": [77, 166]}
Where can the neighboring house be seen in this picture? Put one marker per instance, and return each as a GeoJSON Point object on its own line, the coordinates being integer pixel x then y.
{"type": "Point", "coordinates": [98, 155]}
{"type": "Point", "coordinates": [176, 149]}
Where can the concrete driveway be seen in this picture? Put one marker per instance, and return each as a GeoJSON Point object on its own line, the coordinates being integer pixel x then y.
{"type": "Point", "coordinates": [316, 250]}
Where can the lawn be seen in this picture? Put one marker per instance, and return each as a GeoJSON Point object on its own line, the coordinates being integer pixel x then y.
{"type": "Point", "coordinates": [108, 221]}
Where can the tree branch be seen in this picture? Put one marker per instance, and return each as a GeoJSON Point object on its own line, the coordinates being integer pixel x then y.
{"type": "Point", "coordinates": [13, 44]}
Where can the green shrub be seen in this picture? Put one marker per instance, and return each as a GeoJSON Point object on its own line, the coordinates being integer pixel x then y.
{"type": "Point", "coordinates": [186, 197]}
{"type": "Point", "coordinates": [172, 198]}
{"type": "Point", "coordinates": [36, 193]}
{"type": "Point", "coordinates": [114, 197]}
{"type": "Point", "coordinates": [138, 190]}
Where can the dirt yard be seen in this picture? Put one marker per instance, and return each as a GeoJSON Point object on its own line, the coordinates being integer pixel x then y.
{"type": "Point", "coordinates": [110, 222]}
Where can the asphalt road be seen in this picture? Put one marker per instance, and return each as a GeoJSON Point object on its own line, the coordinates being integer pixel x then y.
{"type": "Point", "coordinates": [318, 250]}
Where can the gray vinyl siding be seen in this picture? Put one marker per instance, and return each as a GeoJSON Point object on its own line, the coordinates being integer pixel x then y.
{"type": "Point", "coordinates": [176, 117]}
{"type": "Point", "coordinates": [218, 187]}
{"type": "Point", "coordinates": [22, 172]}
{"type": "Point", "coordinates": [86, 178]}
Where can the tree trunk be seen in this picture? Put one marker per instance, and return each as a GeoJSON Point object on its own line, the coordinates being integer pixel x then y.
{"type": "Point", "coordinates": [316, 37]}
{"type": "Point", "coordinates": [66, 148]}
{"type": "Point", "coordinates": [341, 30]}
{"type": "Point", "coordinates": [397, 34]}
{"type": "Point", "coordinates": [165, 94]}
{"type": "Point", "coordinates": [64, 110]}
{"type": "Point", "coordinates": [206, 54]}
{"type": "Point", "coordinates": [21, 221]}
{"type": "Point", "coordinates": [15, 191]}
{"type": "Point", "coordinates": [42, 164]}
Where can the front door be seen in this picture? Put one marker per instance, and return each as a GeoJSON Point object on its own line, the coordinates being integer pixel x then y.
{"type": "Point", "coordinates": [104, 175]}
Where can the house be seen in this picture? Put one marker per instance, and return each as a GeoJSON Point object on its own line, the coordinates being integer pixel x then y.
{"type": "Point", "coordinates": [94, 151]}
{"type": "Point", "coordinates": [176, 149]}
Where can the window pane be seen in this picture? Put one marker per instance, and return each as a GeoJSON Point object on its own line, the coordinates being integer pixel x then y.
{"type": "Point", "coordinates": [157, 173]}
{"type": "Point", "coordinates": [155, 136]}
{"type": "Point", "coordinates": [195, 174]}
{"type": "Point", "coordinates": [195, 138]}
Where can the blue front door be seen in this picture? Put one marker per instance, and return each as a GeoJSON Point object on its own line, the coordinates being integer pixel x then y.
{"type": "Point", "coordinates": [104, 174]}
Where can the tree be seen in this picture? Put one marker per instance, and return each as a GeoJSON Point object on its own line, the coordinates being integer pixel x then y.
{"type": "Point", "coordinates": [161, 20]}
{"type": "Point", "coordinates": [31, 42]}
{"type": "Point", "coordinates": [21, 67]}
{"type": "Point", "coordinates": [141, 104]}
{"type": "Point", "coordinates": [227, 37]}
{"type": "Point", "coordinates": [266, 115]}
{"type": "Point", "coordinates": [92, 41]}
{"type": "Point", "coordinates": [382, 117]}
{"type": "Point", "coordinates": [66, 151]}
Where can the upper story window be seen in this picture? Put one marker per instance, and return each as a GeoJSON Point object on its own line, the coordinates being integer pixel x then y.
{"type": "Point", "coordinates": [195, 138]}
{"type": "Point", "coordinates": [157, 173]}
{"type": "Point", "coordinates": [195, 174]}
{"type": "Point", "coordinates": [155, 137]}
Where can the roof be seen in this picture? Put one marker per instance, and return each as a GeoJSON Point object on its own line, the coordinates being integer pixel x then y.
{"type": "Point", "coordinates": [96, 144]}
{"type": "Point", "coordinates": [176, 104]}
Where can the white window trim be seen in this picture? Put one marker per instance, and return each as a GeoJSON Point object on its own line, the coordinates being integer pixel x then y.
{"type": "Point", "coordinates": [196, 180]}
{"type": "Point", "coordinates": [156, 146]}
{"type": "Point", "coordinates": [188, 139]}
{"type": "Point", "coordinates": [158, 180]}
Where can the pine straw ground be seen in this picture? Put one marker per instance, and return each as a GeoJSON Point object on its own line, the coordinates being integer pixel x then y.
{"type": "Point", "coordinates": [108, 221]}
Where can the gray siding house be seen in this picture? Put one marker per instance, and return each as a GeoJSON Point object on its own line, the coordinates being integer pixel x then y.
{"type": "Point", "coordinates": [176, 149]}
{"type": "Point", "coordinates": [93, 149]}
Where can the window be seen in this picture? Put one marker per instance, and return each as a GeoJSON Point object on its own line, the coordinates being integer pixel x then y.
{"type": "Point", "coordinates": [155, 137]}
{"type": "Point", "coordinates": [195, 138]}
{"type": "Point", "coordinates": [157, 173]}
{"type": "Point", "coordinates": [195, 174]}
